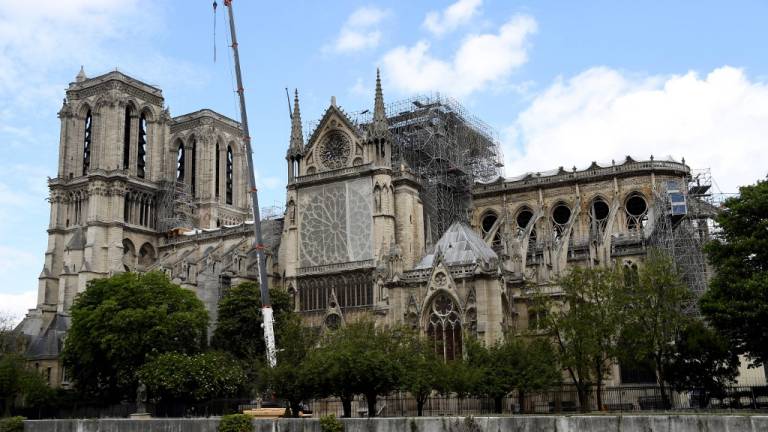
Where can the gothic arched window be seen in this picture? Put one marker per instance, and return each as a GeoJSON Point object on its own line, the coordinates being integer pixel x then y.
{"type": "Point", "coordinates": [180, 163]}
{"type": "Point", "coordinates": [444, 327]}
{"type": "Point", "coordinates": [127, 138]}
{"type": "Point", "coordinates": [192, 176]}
{"type": "Point", "coordinates": [218, 171]}
{"type": "Point", "coordinates": [87, 138]}
{"type": "Point", "coordinates": [230, 169]}
{"type": "Point", "coordinates": [141, 161]}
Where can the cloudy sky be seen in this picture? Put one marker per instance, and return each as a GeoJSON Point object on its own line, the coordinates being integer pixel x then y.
{"type": "Point", "coordinates": [564, 82]}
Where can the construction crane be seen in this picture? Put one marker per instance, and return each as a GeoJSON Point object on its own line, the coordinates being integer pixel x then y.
{"type": "Point", "coordinates": [266, 304]}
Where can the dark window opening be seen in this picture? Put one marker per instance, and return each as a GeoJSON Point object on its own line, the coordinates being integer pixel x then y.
{"type": "Point", "coordinates": [598, 216]}
{"type": "Point", "coordinates": [87, 137]}
{"type": "Point", "coordinates": [141, 161]}
{"type": "Point", "coordinates": [225, 283]}
{"type": "Point", "coordinates": [600, 210]}
{"type": "Point", "coordinates": [229, 173]}
{"type": "Point", "coordinates": [488, 221]}
{"type": "Point", "coordinates": [194, 167]}
{"type": "Point", "coordinates": [560, 216]}
{"type": "Point", "coordinates": [180, 163]}
{"type": "Point", "coordinates": [637, 210]}
{"type": "Point", "coordinates": [218, 172]}
{"type": "Point", "coordinates": [127, 139]}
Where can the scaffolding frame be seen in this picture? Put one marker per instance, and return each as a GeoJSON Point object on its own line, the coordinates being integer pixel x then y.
{"type": "Point", "coordinates": [176, 208]}
{"type": "Point", "coordinates": [683, 212]}
{"type": "Point", "coordinates": [447, 147]}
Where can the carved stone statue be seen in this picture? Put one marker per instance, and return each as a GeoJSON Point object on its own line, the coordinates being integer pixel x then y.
{"type": "Point", "coordinates": [141, 398]}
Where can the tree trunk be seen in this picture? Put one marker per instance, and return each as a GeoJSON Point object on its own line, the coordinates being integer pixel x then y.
{"type": "Point", "coordinates": [420, 400]}
{"type": "Point", "coordinates": [662, 386]}
{"type": "Point", "coordinates": [599, 389]}
{"type": "Point", "coordinates": [295, 408]}
{"type": "Point", "coordinates": [371, 399]}
{"type": "Point", "coordinates": [346, 405]}
{"type": "Point", "coordinates": [583, 393]}
{"type": "Point", "coordinates": [497, 404]}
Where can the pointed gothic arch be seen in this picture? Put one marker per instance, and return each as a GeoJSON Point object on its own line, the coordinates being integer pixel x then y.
{"type": "Point", "coordinates": [229, 175]}
{"type": "Point", "coordinates": [444, 325]}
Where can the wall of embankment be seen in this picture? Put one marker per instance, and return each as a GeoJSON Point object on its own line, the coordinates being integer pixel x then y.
{"type": "Point", "coordinates": [596, 423]}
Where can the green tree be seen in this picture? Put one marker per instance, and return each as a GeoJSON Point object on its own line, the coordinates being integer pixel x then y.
{"type": "Point", "coordinates": [534, 365]}
{"type": "Point", "coordinates": [176, 376]}
{"type": "Point", "coordinates": [238, 326]}
{"type": "Point", "coordinates": [586, 324]}
{"type": "Point", "coordinates": [357, 359]}
{"type": "Point", "coordinates": [421, 369]}
{"type": "Point", "coordinates": [701, 360]}
{"type": "Point", "coordinates": [289, 380]}
{"type": "Point", "coordinates": [737, 300]}
{"type": "Point", "coordinates": [18, 383]}
{"type": "Point", "coordinates": [655, 315]}
{"type": "Point", "coordinates": [120, 322]}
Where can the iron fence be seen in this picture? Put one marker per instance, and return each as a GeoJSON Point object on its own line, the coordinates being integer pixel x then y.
{"type": "Point", "coordinates": [556, 401]}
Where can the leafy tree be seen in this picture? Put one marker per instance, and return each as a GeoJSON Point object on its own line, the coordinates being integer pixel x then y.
{"type": "Point", "coordinates": [737, 300]}
{"type": "Point", "coordinates": [289, 380]}
{"type": "Point", "coordinates": [702, 360]}
{"type": "Point", "coordinates": [534, 364]}
{"type": "Point", "coordinates": [239, 325]}
{"type": "Point", "coordinates": [421, 369]}
{"type": "Point", "coordinates": [585, 324]}
{"type": "Point", "coordinates": [118, 323]}
{"type": "Point", "coordinates": [175, 376]}
{"type": "Point", "coordinates": [357, 359]}
{"type": "Point", "coordinates": [18, 382]}
{"type": "Point", "coordinates": [655, 315]}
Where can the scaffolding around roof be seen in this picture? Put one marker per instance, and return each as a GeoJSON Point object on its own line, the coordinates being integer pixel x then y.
{"type": "Point", "coordinates": [175, 206]}
{"type": "Point", "coordinates": [683, 212]}
{"type": "Point", "coordinates": [447, 147]}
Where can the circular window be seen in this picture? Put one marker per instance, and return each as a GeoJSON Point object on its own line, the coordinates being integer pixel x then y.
{"type": "Point", "coordinates": [600, 209]}
{"type": "Point", "coordinates": [524, 218]}
{"type": "Point", "coordinates": [561, 214]}
{"type": "Point", "coordinates": [334, 152]}
{"type": "Point", "coordinates": [636, 205]}
{"type": "Point", "coordinates": [488, 221]}
{"type": "Point", "coordinates": [333, 321]}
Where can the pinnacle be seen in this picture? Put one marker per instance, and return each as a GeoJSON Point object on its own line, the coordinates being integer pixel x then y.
{"type": "Point", "coordinates": [297, 137]}
{"type": "Point", "coordinates": [81, 75]}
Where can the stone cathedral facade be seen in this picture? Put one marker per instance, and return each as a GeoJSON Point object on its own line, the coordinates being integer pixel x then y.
{"type": "Point", "coordinates": [138, 190]}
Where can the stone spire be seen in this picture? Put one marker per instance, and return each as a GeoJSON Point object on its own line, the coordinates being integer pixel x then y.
{"type": "Point", "coordinates": [379, 114]}
{"type": "Point", "coordinates": [297, 136]}
{"type": "Point", "coordinates": [81, 75]}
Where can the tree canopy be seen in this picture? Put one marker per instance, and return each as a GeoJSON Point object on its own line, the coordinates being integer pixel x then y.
{"type": "Point", "coordinates": [238, 327]}
{"type": "Point", "coordinates": [737, 300]}
{"type": "Point", "coordinates": [120, 323]}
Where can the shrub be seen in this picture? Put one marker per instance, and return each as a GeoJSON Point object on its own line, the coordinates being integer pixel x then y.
{"type": "Point", "coordinates": [12, 424]}
{"type": "Point", "coordinates": [329, 423]}
{"type": "Point", "coordinates": [236, 423]}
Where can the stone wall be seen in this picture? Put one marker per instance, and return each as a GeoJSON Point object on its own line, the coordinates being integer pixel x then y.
{"type": "Point", "coordinates": [625, 423]}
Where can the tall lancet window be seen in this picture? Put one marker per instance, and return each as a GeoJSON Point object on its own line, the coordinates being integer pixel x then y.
{"type": "Point", "coordinates": [141, 161]}
{"type": "Point", "coordinates": [230, 167]}
{"type": "Point", "coordinates": [444, 328]}
{"type": "Point", "coordinates": [127, 138]}
{"type": "Point", "coordinates": [87, 137]}
{"type": "Point", "coordinates": [192, 178]}
{"type": "Point", "coordinates": [218, 172]}
{"type": "Point", "coordinates": [180, 163]}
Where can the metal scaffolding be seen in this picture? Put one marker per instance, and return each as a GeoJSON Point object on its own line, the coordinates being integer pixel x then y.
{"type": "Point", "coordinates": [175, 206]}
{"type": "Point", "coordinates": [682, 215]}
{"type": "Point", "coordinates": [447, 147]}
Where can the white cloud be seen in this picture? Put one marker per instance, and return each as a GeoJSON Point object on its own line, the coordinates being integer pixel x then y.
{"type": "Point", "coordinates": [461, 12]}
{"type": "Point", "coordinates": [360, 31]}
{"type": "Point", "coordinates": [719, 121]}
{"type": "Point", "coordinates": [480, 60]}
{"type": "Point", "coordinates": [15, 306]}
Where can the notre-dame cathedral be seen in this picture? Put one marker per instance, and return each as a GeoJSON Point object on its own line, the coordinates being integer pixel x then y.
{"type": "Point", "coordinates": [399, 213]}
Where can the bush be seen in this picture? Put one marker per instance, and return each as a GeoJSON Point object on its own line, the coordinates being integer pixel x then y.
{"type": "Point", "coordinates": [12, 424]}
{"type": "Point", "coordinates": [329, 423]}
{"type": "Point", "coordinates": [236, 423]}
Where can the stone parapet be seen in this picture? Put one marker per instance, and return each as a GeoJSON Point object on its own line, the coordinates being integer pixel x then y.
{"type": "Point", "coordinates": [597, 423]}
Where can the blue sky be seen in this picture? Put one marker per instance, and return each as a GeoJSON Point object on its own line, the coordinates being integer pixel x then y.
{"type": "Point", "coordinates": [563, 82]}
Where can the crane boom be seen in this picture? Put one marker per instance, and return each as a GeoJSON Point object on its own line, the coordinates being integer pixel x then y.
{"type": "Point", "coordinates": [266, 304]}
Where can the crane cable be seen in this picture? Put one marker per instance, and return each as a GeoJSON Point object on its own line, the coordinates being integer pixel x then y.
{"type": "Point", "coordinates": [214, 30]}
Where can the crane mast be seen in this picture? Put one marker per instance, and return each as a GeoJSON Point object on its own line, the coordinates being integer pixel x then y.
{"type": "Point", "coordinates": [266, 304]}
